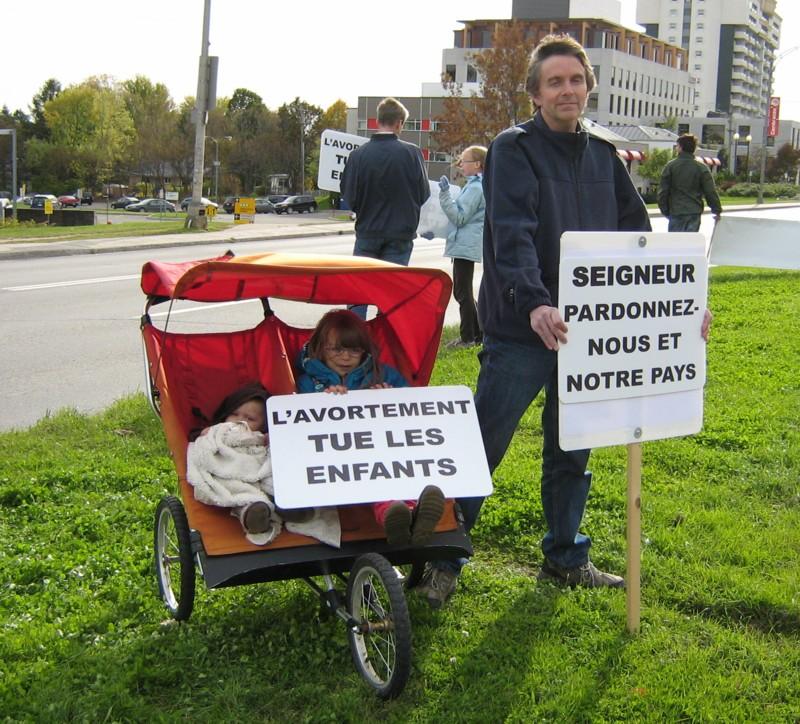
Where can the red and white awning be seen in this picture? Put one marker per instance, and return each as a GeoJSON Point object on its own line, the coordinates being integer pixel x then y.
{"type": "Point", "coordinates": [711, 161]}
{"type": "Point", "coordinates": [630, 154]}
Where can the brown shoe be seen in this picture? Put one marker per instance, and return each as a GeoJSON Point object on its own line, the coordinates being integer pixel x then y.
{"type": "Point", "coordinates": [427, 515]}
{"type": "Point", "coordinates": [397, 524]}
{"type": "Point", "coordinates": [256, 518]}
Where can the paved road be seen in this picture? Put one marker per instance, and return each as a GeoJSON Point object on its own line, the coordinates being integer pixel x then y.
{"type": "Point", "coordinates": [69, 333]}
{"type": "Point", "coordinates": [69, 313]}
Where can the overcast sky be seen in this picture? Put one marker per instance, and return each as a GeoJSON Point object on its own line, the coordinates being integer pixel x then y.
{"type": "Point", "coordinates": [315, 49]}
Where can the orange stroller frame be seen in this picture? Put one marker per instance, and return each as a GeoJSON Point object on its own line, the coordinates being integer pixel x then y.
{"type": "Point", "coordinates": [188, 374]}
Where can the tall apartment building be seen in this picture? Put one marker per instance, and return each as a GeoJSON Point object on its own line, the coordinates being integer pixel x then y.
{"type": "Point", "coordinates": [731, 46]}
{"type": "Point", "coordinates": [638, 76]}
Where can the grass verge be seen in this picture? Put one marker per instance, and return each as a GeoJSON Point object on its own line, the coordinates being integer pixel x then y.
{"type": "Point", "coordinates": [83, 635]}
{"type": "Point", "coordinates": [173, 224]}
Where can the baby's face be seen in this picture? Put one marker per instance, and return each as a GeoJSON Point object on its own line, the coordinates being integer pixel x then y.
{"type": "Point", "coordinates": [253, 413]}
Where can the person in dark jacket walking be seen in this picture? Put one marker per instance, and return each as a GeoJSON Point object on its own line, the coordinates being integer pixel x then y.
{"type": "Point", "coordinates": [384, 182]}
{"type": "Point", "coordinates": [685, 181]}
{"type": "Point", "coordinates": [542, 178]}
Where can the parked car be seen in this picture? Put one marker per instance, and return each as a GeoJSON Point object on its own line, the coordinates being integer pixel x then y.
{"type": "Point", "coordinates": [203, 200]}
{"type": "Point", "coordinates": [227, 205]}
{"type": "Point", "coordinates": [296, 203]}
{"type": "Point", "coordinates": [67, 200]}
{"type": "Point", "coordinates": [37, 202]}
{"type": "Point", "coordinates": [264, 205]}
{"type": "Point", "coordinates": [151, 206]}
{"type": "Point", "coordinates": [123, 202]}
{"type": "Point", "coordinates": [275, 198]}
{"type": "Point", "coordinates": [86, 198]}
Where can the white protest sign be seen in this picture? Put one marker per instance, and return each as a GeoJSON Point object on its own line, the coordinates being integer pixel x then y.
{"type": "Point", "coordinates": [759, 242]}
{"type": "Point", "coordinates": [373, 445]}
{"type": "Point", "coordinates": [334, 148]}
{"type": "Point", "coordinates": [633, 367]}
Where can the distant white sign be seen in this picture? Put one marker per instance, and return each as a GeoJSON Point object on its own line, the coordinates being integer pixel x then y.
{"type": "Point", "coordinates": [372, 445]}
{"type": "Point", "coordinates": [634, 362]}
{"type": "Point", "coordinates": [761, 242]}
{"type": "Point", "coordinates": [334, 149]}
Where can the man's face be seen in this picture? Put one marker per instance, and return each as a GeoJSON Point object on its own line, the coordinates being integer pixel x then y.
{"type": "Point", "coordinates": [562, 92]}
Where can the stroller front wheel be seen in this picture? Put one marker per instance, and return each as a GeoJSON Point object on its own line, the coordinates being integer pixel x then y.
{"type": "Point", "coordinates": [380, 640]}
{"type": "Point", "coordinates": [173, 558]}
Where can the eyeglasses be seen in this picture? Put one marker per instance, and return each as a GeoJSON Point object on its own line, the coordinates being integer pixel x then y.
{"type": "Point", "coordinates": [342, 351]}
{"type": "Point", "coordinates": [463, 161]}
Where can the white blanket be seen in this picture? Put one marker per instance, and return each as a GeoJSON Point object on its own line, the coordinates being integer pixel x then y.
{"type": "Point", "coordinates": [230, 466]}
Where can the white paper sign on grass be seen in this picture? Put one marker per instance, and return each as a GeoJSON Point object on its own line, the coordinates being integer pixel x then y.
{"type": "Point", "coordinates": [633, 367]}
{"type": "Point", "coordinates": [372, 445]}
{"type": "Point", "coordinates": [334, 149]}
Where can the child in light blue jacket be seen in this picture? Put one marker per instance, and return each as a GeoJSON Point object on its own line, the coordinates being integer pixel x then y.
{"type": "Point", "coordinates": [465, 239]}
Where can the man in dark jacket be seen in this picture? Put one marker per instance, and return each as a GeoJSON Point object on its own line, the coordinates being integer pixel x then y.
{"type": "Point", "coordinates": [684, 183]}
{"type": "Point", "coordinates": [542, 178]}
{"type": "Point", "coordinates": [385, 183]}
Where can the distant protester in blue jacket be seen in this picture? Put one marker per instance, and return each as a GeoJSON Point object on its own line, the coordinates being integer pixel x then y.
{"type": "Point", "coordinates": [465, 239]}
{"type": "Point", "coordinates": [385, 183]}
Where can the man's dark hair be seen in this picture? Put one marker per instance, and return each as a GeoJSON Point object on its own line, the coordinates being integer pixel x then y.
{"type": "Point", "coordinates": [687, 142]}
{"type": "Point", "coordinates": [390, 111]}
{"type": "Point", "coordinates": [556, 45]}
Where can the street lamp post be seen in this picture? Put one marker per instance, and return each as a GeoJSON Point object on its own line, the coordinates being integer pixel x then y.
{"type": "Point", "coordinates": [736, 138]}
{"type": "Point", "coordinates": [747, 139]}
{"type": "Point", "coordinates": [216, 164]}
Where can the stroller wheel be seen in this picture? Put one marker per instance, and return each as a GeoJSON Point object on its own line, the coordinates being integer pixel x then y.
{"type": "Point", "coordinates": [380, 640]}
{"type": "Point", "coordinates": [173, 554]}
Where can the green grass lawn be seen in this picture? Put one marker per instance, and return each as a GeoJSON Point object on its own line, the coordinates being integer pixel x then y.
{"type": "Point", "coordinates": [84, 636]}
{"type": "Point", "coordinates": [171, 224]}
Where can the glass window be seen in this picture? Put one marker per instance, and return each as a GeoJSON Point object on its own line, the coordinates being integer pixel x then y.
{"type": "Point", "coordinates": [472, 74]}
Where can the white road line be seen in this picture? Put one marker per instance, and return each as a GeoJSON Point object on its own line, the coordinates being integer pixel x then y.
{"type": "Point", "coordinates": [76, 282]}
{"type": "Point", "coordinates": [203, 308]}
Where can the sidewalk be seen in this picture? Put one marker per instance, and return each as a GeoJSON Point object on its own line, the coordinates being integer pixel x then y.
{"type": "Point", "coordinates": [285, 228]}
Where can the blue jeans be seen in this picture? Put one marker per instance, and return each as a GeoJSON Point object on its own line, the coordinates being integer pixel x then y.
{"type": "Point", "coordinates": [395, 250]}
{"type": "Point", "coordinates": [511, 376]}
{"type": "Point", "coordinates": [684, 222]}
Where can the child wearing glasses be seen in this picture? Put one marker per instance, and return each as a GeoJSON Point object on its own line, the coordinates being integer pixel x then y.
{"type": "Point", "coordinates": [341, 356]}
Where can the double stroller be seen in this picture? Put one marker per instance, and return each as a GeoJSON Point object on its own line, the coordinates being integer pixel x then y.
{"type": "Point", "coordinates": [188, 373]}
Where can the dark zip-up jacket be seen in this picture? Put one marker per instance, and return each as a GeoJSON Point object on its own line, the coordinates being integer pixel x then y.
{"type": "Point", "coordinates": [385, 183]}
{"type": "Point", "coordinates": [684, 182]}
{"type": "Point", "coordinates": [538, 184]}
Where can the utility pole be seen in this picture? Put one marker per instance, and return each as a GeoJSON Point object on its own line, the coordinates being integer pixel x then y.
{"type": "Point", "coordinates": [764, 136]}
{"type": "Point", "coordinates": [14, 190]}
{"type": "Point", "coordinates": [196, 216]}
{"type": "Point", "coordinates": [302, 118]}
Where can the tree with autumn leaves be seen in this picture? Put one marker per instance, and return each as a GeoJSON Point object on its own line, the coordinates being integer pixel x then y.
{"type": "Point", "coordinates": [502, 101]}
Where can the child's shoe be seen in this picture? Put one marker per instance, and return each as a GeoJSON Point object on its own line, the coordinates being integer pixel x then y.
{"type": "Point", "coordinates": [256, 517]}
{"type": "Point", "coordinates": [427, 514]}
{"type": "Point", "coordinates": [397, 523]}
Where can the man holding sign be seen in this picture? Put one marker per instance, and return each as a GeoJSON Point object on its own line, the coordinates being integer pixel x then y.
{"type": "Point", "coordinates": [542, 178]}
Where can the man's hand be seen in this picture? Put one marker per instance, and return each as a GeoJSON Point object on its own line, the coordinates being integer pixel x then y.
{"type": "Point", "coordinates": [706, 325]}
{"type": "Point", "coordinates": [547, 323]}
